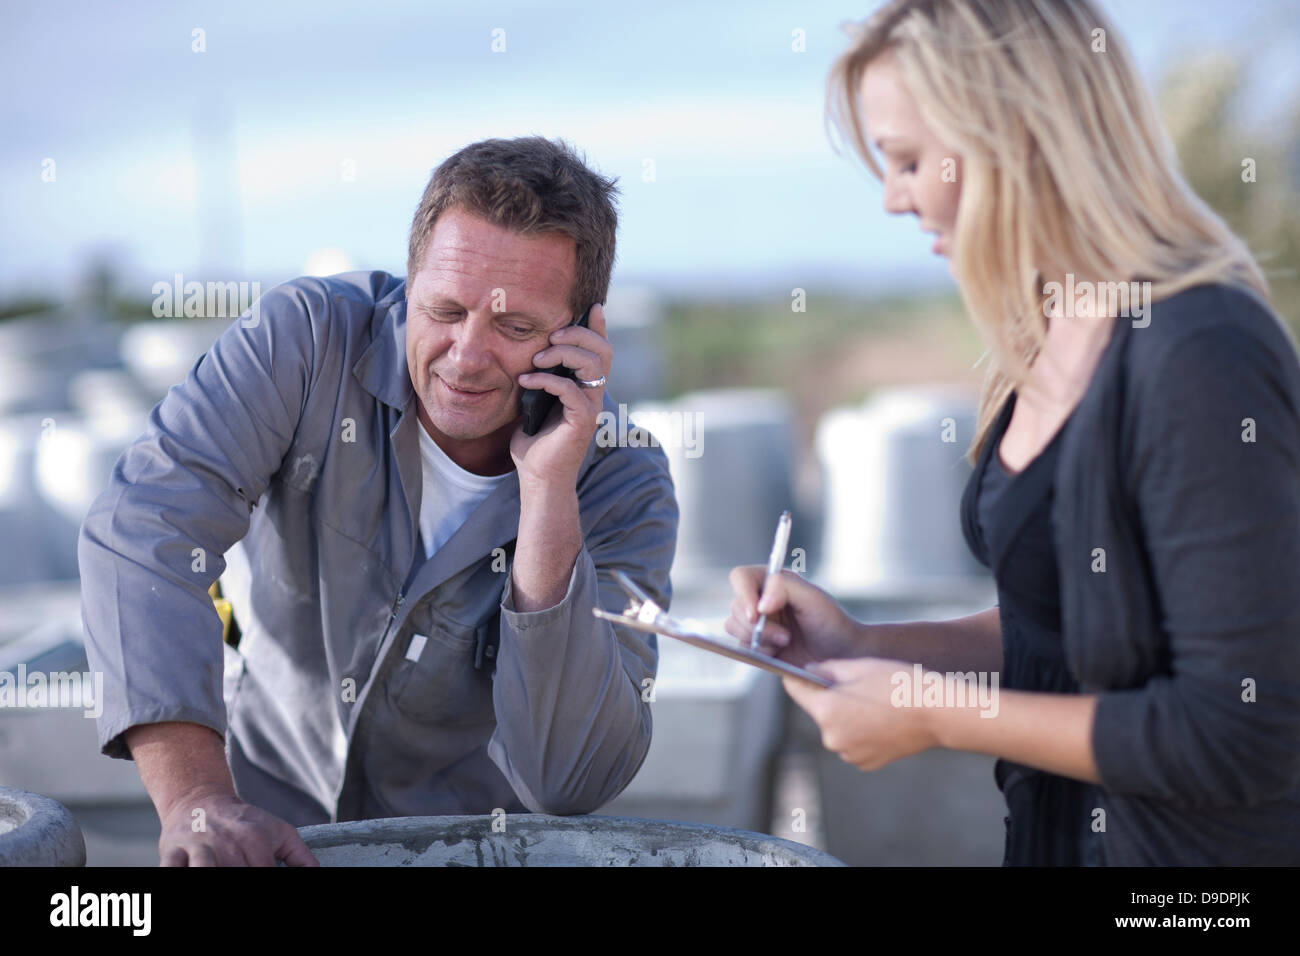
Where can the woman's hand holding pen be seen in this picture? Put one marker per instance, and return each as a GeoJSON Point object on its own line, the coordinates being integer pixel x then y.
{"type": "Point", "coordinates": [807, 627]}
{"type": "Point", "coordinates": [804, 623]}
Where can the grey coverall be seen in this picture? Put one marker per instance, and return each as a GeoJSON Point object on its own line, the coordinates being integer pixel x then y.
{"type": "Point", "coordinates": [289, 456]}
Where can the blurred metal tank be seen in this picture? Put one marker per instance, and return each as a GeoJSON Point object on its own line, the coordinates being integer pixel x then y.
{"type": "Point", "coordinates": [731, 455]}
{"type": "Point", "coordinates": [895, 473]}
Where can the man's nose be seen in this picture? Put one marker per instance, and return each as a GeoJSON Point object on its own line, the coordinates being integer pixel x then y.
{"type": "Point", "coordinates": [470, 347]}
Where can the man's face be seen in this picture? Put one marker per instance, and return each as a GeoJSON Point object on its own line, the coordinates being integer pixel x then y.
{"type": "Point", "coordinates": [482, 303]}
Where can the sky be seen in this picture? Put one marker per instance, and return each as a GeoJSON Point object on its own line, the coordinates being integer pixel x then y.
{"type": "Point", "coordinates": [300, 137]}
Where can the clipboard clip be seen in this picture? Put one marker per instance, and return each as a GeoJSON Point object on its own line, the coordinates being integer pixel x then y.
{"type": "Point", "coordinates": [640, 606]}
{"type": "Point", "coordinates": [643, 614]}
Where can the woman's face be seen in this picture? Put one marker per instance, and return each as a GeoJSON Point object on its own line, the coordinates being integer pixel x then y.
{"type": "Point", "coordinates": [922, 175]}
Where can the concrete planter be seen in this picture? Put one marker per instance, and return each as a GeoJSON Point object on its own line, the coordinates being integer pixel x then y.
{"type": "Point", "coordinates": [534, 839]}
{"type": "Point", "coordinates": [37, 831]}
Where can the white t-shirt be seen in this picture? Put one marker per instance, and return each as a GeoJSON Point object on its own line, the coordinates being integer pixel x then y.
{"type": "Point", "coordinates": [450, 494]}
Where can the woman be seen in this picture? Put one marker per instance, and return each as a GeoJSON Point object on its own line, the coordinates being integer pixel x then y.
{"type": "Point", "coordinates": [1136, 484]}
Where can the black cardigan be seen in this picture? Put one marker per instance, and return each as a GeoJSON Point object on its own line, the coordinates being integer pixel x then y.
{"type": "Point", "coordinates": [1191, 633]}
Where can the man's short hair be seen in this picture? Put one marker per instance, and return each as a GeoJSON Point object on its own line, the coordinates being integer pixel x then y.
{"type": "Point", "coordinates": [531, 185]}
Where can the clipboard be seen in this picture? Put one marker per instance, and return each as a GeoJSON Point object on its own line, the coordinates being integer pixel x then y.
{"type": "Point", "coordinates": [642, 614]}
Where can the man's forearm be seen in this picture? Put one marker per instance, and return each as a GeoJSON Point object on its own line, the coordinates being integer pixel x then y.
{"type": "Point", "coordinates": [572, 724]}
{"type": "Point", "coordinates": [550, 538]}
{"type": "Point", "coordinates": [179, 759]}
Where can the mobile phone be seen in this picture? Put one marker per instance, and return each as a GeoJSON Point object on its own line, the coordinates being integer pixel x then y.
{"type": "Point", "coordinates": [536, 403]}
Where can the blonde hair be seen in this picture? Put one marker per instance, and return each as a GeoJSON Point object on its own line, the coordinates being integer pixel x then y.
{"type": "Point", "coordinates": [1063, 157]}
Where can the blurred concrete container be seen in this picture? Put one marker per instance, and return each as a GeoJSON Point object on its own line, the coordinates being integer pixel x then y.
{"type": "Point", "coordinates": [532, 839]}
{"type": "Point", "coordinates": [938, 808]}
{"type": "Point", "coordinates": [25, 388]}
{"type": "Point", "coordinates": [717, 723]}
{"type": "Point", "coordinates": [111, 400]}
{"type": "Point", "coordinates": [894, 551]}
{"type": "Point", "coordinates": [161, 353]}
{"type": "Point", "coordinates": [717, 730]}
{"type": "Point", "coordinates": [731, 456]}
{"type": "Point", "coordinates": [38, 546]}
{"type": "Point", "coordinates": [37, 831]}
{"type": "Point", "coordinates": [55, 750]}
{"type": "Point", "coordinates": [40, 353]}
{"type": "Point", "coordinates": [895, 474]}
{"type": "Point", "coordinates": [633, 317]}
{"type": "Point", "coordinates": [78, 450]}
{"type": "Point", "coordinates": [72, 466]}
{"type": "Point", "coordinates": [53, 464]}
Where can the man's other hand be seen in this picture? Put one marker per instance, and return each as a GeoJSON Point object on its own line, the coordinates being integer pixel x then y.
{"type": "Point", "coordinates": [207, 828]}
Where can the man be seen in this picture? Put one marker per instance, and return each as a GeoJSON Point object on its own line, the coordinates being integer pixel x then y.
{"type": "Point", "coordinates": [415, 578]}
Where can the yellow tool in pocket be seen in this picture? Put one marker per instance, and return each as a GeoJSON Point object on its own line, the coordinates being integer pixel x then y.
{"type": "Point", "coordinates": [229, 629]}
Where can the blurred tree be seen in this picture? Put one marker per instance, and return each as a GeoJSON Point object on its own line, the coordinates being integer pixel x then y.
{"type": "Point", "coordinates": [1250, 176]}
{"type": "Point", "coordinates": [24, 305]}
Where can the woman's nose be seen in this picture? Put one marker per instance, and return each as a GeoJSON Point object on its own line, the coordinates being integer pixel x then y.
{"type": "Point", "coordinates": [897, 200]}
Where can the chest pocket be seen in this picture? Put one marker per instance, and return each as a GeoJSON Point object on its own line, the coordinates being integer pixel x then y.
{"type": "Point", "coordinates": [437, 681]}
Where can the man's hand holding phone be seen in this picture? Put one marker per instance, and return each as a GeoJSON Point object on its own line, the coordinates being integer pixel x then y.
{"type": "Point", "coordinates": [550, 534]}
{"type": "Point", "coordinates": [552, 456]}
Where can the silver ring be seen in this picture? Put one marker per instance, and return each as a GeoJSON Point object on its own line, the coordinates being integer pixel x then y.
{"type": "Point", "coordinates": [594, 383]}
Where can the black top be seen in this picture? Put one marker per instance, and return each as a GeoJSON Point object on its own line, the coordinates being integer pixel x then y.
{"type": "Point", "coordinates": [1175, 514]}
{"type": "Point", "coordinates": [1049, 816]}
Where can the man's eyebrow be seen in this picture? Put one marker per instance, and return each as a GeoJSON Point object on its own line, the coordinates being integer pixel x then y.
{"type": "Point", "coordinates": [520, 314]}
{"type": "Point", "coordinates": [427, 300]}
{"type": "Point", "coordinates": [445, 301]}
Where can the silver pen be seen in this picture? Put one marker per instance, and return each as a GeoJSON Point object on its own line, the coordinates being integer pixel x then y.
{"type": "Point", "coordinates": [775, 562]}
